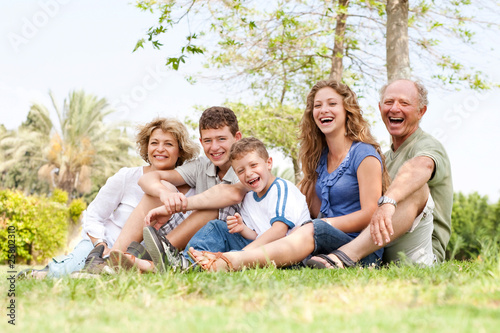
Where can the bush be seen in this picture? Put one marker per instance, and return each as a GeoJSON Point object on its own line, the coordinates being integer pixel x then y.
{"type": "Point", "coordinates": [59, 195]}
{"type": "Point", "coordinates": [40, 223]}
{"type": "Point", "coordinates": [475, 227]}
{"type": "Point", "coordinates": [76, 207]}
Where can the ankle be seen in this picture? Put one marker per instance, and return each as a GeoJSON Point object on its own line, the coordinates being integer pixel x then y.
{"type": "Point", "coordinates": [233, 259]}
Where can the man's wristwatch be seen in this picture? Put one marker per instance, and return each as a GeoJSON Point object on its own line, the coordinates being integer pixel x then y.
{"type": "Point", "coordinates": [99, 241]}
{"type": "Point", "coordinates": [386, 200]}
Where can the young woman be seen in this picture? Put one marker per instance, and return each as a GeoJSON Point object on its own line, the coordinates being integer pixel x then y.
{"type": "Point", "coordinates": [344, 175]}
{"type": "Point", "coordinates": [163, 144]}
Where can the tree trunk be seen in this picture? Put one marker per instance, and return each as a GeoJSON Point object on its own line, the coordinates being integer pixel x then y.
{"type": "Point", "coordinates": [398, 58]}
{"type": "Point", "coordinates": [338, 48]}
{"type": "Point", "coordinates": [296, 170]}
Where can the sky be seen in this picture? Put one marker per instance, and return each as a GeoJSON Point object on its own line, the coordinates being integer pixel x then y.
{"type": "Point", "coordinates": [66, 45]}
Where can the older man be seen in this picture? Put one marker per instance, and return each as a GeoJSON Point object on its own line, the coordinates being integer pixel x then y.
{"type": "Point", "coordinates": [414, 215]}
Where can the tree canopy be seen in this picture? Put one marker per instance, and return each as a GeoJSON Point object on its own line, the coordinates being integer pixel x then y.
{"type": "Point", "coordinates": [278, 49]}
{"type": "Point", "coordinates": [66, 153]}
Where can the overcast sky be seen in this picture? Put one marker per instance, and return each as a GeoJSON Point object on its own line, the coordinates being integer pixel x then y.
{"type": "Point", "coordinates": [63, 45]}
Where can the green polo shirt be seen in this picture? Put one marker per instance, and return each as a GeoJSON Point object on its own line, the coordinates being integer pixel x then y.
{"type": "Point", "coordinates": [440, 184]}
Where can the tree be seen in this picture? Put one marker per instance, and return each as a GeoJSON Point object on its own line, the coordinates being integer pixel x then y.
{"type": "Point", "coordinates": [21, 156]}
{"type": "Point", "coordinates": [252, 38]}
{"type": "Point", "coordinates": [278, 50]}
{"type": "Point", "coordinates": [339, 37]}
{"type": "Point", "coordinates": [65, 154]}
{"type": "Point", "coordinates": [398, 54]}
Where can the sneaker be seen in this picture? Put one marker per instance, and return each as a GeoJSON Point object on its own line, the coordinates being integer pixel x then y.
{"type": "Point", "coordinates": [95, 263]}
{"type": "Point", "coordinates": [163, 253]}
{"type": "Point", "coordinates": [137, 250]}
{"type": "Point", "coordinates": [31, 273]}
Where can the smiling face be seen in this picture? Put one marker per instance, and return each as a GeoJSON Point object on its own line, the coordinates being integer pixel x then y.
{"type": "Point", "coordinates": [254, 172]}
{"type": "Point", "coordinates": [328, 112]}
{"type": "Point", "coordinates": [217, 143]}
{"type": "Point", "coordinates": [400, 110]}
{"type": "Point", "coordinates": [163, 150]}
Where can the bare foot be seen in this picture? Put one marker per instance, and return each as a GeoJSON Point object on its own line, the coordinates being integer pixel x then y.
{"type": "Point", "coordinates": [145, 266]}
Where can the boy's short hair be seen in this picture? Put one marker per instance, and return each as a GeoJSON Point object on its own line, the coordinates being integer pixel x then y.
{"type": "Point", "coordinates": [217, 117]}
{"type": "Point", "coordinates": [247, 145]}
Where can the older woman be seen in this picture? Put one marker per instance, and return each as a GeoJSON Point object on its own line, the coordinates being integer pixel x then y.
{"type": "Point", "coordinates": [163, 144]}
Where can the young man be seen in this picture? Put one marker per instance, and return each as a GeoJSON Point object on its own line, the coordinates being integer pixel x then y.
{"type": "Point", "coordinates": [218, 128]}
{"type": "Point", "coordinates": [272, 207]}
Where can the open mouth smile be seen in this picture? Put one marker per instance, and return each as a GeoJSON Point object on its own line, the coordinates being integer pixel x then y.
{"type": "Point", "coordinates": [395, 120]}
{"type": "Point", "coordinates": [254, 181]}
{"type": "Point", "coordinates": [326, 120]}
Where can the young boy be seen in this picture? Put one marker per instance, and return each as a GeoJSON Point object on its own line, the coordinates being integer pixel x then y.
{"type": "Point", "coordinates": [272, 207]}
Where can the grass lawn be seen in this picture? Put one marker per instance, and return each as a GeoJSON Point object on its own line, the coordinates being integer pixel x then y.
{"type": "Point", "coordinates": [453, 297]}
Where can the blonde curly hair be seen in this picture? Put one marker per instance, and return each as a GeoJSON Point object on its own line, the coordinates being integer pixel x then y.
{"type": "Point", "coordinates": [313, 141]}
{"type": "Point", "coordinates": [188, 149]}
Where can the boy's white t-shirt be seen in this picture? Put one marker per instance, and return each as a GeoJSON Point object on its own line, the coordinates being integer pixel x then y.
{"type": "Point", "coordinates": [283, 202]}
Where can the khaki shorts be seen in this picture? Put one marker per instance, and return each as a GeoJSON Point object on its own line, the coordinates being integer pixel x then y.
{"type": "Point", "coordinates": [416, 244]}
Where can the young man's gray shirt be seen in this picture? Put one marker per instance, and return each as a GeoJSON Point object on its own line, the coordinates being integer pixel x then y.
{"type": "Point", "coordinates": [201, 174]}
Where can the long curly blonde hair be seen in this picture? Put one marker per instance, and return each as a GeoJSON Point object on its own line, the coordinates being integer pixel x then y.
{"type": "Point", "coordinates": [313, 141]}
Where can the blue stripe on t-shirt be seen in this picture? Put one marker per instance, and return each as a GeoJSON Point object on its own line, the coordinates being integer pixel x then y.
{"type": "Point", "coordinates": [278, 197]}
{"type": "Point", "coordinates": [285, 197]}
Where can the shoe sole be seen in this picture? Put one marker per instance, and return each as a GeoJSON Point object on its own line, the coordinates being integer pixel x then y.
{"type": "Point", "coordinates": [154, 247]}
{"type": "Point", "coordinates": [120, 260]}
{"type": "Point", "coordinates": [84, 275]}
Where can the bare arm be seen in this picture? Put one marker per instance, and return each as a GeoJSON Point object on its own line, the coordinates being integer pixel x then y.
{"type": "Point", "coordinates": [151, 182]}
{"type": "Point", "coordinates": [218, 196]}
{"type": "Point", "coordinates": [412, 175]}
{"type": "Point", "coordinates": [315, 205]}
{"type": "Point", "coordinates": [278, 230]}
{"type": "Point", "coordinates": [162, 184]}
{"type": "Point", "coordinates": [370, 189]}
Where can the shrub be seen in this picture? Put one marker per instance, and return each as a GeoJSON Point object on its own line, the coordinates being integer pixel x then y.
{"type": "Point", "coordinates": [76, 207]}
{"type": "Point", "coordinates": [59, 195]}
{"type": "Point", "coordinates": [40, 224]}
{"type": "Point", "coordinates": [475, 227]}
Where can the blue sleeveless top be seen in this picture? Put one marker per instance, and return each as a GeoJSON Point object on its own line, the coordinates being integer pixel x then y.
{"type": "Point", "coordinates": [339, 190]}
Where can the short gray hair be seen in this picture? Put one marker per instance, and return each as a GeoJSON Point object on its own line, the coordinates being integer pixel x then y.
{"type": "Point", "coordinates": [421, 90]}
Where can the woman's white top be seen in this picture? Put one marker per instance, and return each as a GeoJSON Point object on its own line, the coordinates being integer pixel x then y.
{"type": "Point", "coordinates": [107, 213]}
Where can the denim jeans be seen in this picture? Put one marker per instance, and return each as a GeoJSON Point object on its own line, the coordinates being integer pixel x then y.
{"type": "Point", "coordinates": [328, 238]}
{"type": "Point", "coordinates": [215, 237]}
{"type": "Point", "coordinates": [64, 265]}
